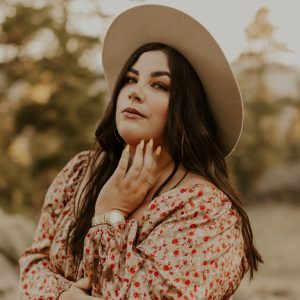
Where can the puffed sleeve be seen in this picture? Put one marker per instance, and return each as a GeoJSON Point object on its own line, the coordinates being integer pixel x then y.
{"type": "Point", "coordinates": [194, 250]}
{"type": "Point", "coordinates": [38, 280]}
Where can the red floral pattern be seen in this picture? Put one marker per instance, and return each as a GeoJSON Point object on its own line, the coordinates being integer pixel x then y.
{"type": "Point", "coordinates": [188, 246]}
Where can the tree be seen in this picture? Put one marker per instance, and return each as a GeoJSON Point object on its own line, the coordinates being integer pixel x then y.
{"type": "Point", "coordinates": [260, 146]}
{"type": "Point", "coordinates": [51, 97]}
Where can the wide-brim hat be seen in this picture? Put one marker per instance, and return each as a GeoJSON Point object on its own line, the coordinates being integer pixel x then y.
{"type": "Point", "coordinates": [157, 23]}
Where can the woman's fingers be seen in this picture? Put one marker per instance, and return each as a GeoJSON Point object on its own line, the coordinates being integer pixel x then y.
{"type": "Point", "coordinates": [123, 163]}
{"type": "Point", "coordinates": [142, 171]}
{"type": "Point", "coordinates": [147, 174]}
{"type": "Point", "coordinates": [83, 283]}
{"type": "Point", "coordinates": [137, 164]}
{"type": "Point", "coordinates": [155, 156]}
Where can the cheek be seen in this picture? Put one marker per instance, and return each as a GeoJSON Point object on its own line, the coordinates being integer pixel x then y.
{"type": "Point", "coordinates": [119, 100]}
{"type": "Point", "coordinates": [119, 105]}
{"type": "Point", "coordinates": [160, 111]}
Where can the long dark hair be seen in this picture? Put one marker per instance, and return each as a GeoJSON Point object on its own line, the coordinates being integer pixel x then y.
{"type": "Point", "coordinates": [190, 117]}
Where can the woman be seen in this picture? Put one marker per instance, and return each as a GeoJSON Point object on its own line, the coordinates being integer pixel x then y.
{"type": "Point", "coordinates": [149, 212]}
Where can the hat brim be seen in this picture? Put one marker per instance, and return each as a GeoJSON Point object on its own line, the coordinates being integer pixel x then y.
{"type": "Point", "coordinates": [156, 23]}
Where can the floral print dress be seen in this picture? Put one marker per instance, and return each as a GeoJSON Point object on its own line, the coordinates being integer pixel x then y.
{"type": "Point", "coordinates": [188, 245]}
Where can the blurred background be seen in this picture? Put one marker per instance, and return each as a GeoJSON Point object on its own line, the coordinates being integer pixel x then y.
{"type": "Point", "coordinates": [53, 93]}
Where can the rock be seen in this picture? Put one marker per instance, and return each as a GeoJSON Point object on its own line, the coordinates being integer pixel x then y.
{"type": "Point", "coordinates": [16, 234]}
{"type": "Point", "coordinates": [280, 179]}
{"type": "Point", "coordinates": [9, 279]}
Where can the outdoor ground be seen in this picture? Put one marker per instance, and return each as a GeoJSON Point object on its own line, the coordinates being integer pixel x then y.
{"type": "Point", "coordinates": [276, 228]}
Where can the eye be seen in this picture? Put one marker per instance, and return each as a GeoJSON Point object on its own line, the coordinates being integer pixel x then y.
{"type": "Point", "coordinates": [156, 85]}
{"type": "Point", "coordinates": [129, 79]}
{"type": "Point", "coordinates": [160, 86]}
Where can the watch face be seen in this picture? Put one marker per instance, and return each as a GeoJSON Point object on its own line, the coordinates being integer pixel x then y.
{"type": "Point", "coordinates": [116, 216]}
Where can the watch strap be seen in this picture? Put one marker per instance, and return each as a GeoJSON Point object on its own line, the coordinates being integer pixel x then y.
{"type": "Point", "coordinates": [104, 218]}
{"type": "Point", "coordinates": [100, 219]}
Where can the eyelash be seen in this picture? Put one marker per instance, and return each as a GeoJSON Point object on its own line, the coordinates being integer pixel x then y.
{"type": "Point", "coordinates": [161, 86]}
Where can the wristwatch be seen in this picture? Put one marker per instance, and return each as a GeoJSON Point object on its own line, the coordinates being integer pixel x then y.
{"type": "Point", "coordinates": [111, 217]}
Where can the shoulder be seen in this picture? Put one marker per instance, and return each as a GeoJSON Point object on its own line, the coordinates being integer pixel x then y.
{"type": "Point", "coordinates": [200, 198]}
{"type": "Point", "coordinates": [206, 209]}
{"type": "Point", "coordinates": [198, 187]}
{"type": "Point", "coordinates": [62, 186]}
{"type": "Point", "coordinates": [194, 179]}
{"type": "Point", "coordinates": [203, 193]}
{"type": "Point", "coordinates": [196, 209]}
{"type": "Point", "coordinates": [77, 160]}
{"type": "Point", "coordinates": [82, 160]}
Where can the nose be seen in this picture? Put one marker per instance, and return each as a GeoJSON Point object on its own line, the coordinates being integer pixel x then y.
{"type": "Point", "coordinates": [136, 94]}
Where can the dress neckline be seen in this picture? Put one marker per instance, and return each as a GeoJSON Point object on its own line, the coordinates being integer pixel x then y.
{"type": "Point", "coordinates": [148, 207]}
{"type": "Point", "coordinates": [173, 190]}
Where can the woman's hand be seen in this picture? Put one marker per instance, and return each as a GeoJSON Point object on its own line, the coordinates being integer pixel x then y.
{"type": "Point", "coordinates": [125, 190]}
{"type": "Point", "coordinates": [78, 291]}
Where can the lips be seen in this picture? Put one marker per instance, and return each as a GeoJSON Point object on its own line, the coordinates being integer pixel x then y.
{"type": "Point", "coordinates": [133, 111]}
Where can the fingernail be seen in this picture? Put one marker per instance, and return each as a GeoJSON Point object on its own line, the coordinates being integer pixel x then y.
{"type": "Point", "coordinates": [127, 148]}
{"type": "Point", "coordinates": [158, 150]}
{"type": "Point", "coordinates": [150, 143]}
{"type": "Point", "coordinates": [142, 143]}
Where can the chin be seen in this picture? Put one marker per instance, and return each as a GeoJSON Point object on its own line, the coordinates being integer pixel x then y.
{"type": "Point", "coordinates": [133, 139]}
{"type": "Point", "coordinates": [133, 136]}
{"type": "Point", "coordinates": [128, 137]}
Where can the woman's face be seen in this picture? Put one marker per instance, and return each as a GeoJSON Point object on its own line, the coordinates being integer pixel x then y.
{"type": "Point", "coordinates": [147, 90]}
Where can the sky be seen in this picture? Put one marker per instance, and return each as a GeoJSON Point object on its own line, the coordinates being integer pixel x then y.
{"type": "Point", "coordinates": [227, 19]}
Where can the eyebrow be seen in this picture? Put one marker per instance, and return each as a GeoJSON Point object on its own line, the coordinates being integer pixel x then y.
{"type": "Point", "coordinates": [153, 74]}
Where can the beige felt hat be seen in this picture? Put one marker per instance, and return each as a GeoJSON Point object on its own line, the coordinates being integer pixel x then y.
{"type": "Point", "coordinates": [156, 23]}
